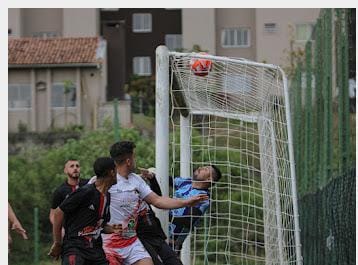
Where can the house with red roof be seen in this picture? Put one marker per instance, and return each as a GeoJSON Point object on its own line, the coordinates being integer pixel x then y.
{"type": "Point", "coordinates": [56, 82]}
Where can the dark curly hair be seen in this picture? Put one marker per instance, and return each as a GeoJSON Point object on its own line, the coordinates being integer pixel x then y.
{"type": "Point", "coordinates": [102, 166]}
{"type": "Point", "coordinates": [122, 150]}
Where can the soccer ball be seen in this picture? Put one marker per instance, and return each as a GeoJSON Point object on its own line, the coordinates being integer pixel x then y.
{"type": "Point", "coordinates": [200, 66]}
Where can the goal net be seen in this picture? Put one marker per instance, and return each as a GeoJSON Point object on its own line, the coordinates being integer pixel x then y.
{"type": "Point", "coordinates": [235, 117]}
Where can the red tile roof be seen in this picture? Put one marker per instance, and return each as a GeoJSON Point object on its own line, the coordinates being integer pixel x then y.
{"type": "Point", "coordinates": [30, 51]}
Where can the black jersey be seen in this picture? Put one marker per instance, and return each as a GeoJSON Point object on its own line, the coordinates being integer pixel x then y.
{"type": "Point", "coordinates": [62, 192]}
{"type": "Point", "coordinates": [148, 226]}
{"type": "Point", "coordinates": [86, 211]}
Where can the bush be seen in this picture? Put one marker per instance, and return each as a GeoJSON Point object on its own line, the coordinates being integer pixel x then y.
{"type": "Point", "coordinates": [36, 172]}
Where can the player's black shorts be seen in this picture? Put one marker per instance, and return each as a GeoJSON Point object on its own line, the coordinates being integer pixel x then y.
{"type": "Point", "coordinates": [84, 256]}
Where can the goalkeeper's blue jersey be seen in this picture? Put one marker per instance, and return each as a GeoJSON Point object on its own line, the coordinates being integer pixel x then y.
{"type": "Point", "coordinates": [183, 190]}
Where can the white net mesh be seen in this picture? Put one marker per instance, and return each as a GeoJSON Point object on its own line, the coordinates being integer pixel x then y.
{"type": "Point", "coordinates": [237, 122]}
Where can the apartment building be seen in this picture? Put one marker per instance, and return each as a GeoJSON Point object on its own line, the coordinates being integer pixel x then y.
{"type": "Point", "coordinates": [259, 34]}
{"type": "Point", "coordinates": [133, 34]}
{"type": "Point", "coordinates": [128, 39]}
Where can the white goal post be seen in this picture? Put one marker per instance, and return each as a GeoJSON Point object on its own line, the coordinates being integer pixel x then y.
{"type": "Point", "coordinates": [238, 118]}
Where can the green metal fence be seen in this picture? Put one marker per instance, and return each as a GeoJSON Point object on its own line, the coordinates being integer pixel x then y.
{"type": "Point", "coordinates": [327, 223]}
{"type": "Point", "coordinates": [324, 141]}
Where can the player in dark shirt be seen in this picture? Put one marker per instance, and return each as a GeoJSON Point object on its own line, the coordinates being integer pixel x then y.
{"type": "Point", "coordinates": [150, 232]}
{"type": "Point", "coordinates": [72, 169]}
{"type": "Point", "coordinates": [84, 214]}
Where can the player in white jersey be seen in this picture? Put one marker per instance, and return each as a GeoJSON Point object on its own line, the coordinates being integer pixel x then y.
{"type": "Point", "coordinates": [122, 246]}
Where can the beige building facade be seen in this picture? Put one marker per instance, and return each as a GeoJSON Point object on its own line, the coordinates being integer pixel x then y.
{"type": "Point", "coordinates": [259, 34]}
{"type": "Point", "coordinates": [53, 22]}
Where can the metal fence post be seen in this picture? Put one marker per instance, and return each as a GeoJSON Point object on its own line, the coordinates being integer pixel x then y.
{"type": "Point", "coordinates": [36, 236]}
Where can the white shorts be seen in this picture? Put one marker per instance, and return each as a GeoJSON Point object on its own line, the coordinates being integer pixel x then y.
{"type": "Point", "coordinates": [123, 252]}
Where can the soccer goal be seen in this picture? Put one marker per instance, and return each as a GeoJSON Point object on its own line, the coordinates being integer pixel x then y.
{"type": "Point", "coordinates": [235, 116]}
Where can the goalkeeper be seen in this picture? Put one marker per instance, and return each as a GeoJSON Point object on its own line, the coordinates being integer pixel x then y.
{"type": "Point", "coordinates": [184, 219]}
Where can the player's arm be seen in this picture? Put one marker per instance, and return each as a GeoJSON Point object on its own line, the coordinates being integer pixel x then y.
{"type": "Point", "coordinates": [153, 183]}
{"type": "Point", "coordinates": [15, 223]}
{"type": "Point", "coordinates": [56, 201]}
{"type": "Point", "coordinates": [162, 202]}
{"type": "Point", "coordinates": [58, 216]}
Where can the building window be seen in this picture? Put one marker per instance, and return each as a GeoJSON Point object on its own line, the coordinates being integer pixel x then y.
{"type": "Point", "coordinates": [235, 38]}
{"type": "Point", "coordinates": [142, 66]}
{"type": "Point", "coordinates": [19, 96]}
{"type": "Point", "coordinates": [270, 27]}
{"type": "Point", "coordinates": [60, 95]}
{"type": "Point", "coordinates": [142, 22]}
{"type": "Point", "coordinates": [45, 34]}
{"type": "Point", "coordinates": [304, 32]}
{"type": "Point", "coordinates": [173, 41]}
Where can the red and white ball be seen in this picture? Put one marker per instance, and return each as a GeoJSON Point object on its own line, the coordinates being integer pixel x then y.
{"type": "Point", "coordinates": [200, 66]}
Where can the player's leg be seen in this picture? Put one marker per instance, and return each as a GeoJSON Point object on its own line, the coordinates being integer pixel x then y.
{"type": "Point", "coordinates": [97, 256]}
{"type": "Point", "coordinates": [72, 258]}
{"type": "Point", "coordinates": [113, 257]}
{"type": "Point", "coordinates": [152, 250]}
{"type": "Point", "coordinates": [168, 255]}
{"type": "Point", "coordinates": [138, 255]}
{"type": "Point", "coordinates": [145, 261]}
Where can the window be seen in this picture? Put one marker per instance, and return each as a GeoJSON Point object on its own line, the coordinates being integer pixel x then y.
{"type": "Point", "coordinates": [142, 66]}
{"type": "Point", "coordinates": [233, 38]}
{"type": "Point", "coordinates": [59, 96]}
{"type": "Point", "coordinates": [270, 27]}
{"type": "Point", "coordinates": [142, 22]}
{"type": "Point", "coordinates": [19, 96]}
{"type": "Point", "coordinates": [304, 32]}
{"type": "Point", "coordinates": [173, 41]}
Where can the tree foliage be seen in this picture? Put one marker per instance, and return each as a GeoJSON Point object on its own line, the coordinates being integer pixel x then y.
{"type": "Point", "coordinates": [36, 172]}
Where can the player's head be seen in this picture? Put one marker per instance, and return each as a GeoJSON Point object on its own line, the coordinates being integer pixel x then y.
{"type": "Point", "coordinates": [207, 175]}
{"type": "Point", "coordinates": [105, 169]}
{"type": "Point", "coordinates": [124, 155]}
{"type": "Point", "coordinates": [72, 168]}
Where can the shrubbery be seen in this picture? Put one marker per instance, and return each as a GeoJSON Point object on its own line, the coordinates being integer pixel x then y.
{"type": "Point", "coordinates": [36, 172]}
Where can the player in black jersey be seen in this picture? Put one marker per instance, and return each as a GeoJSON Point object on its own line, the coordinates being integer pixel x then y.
{"type": "Point", "coordinates": [72, 169]}
{"type": "Point", "coordinates": [149, 229]}
{"type": "Point", "coordinates": [83, 215]}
